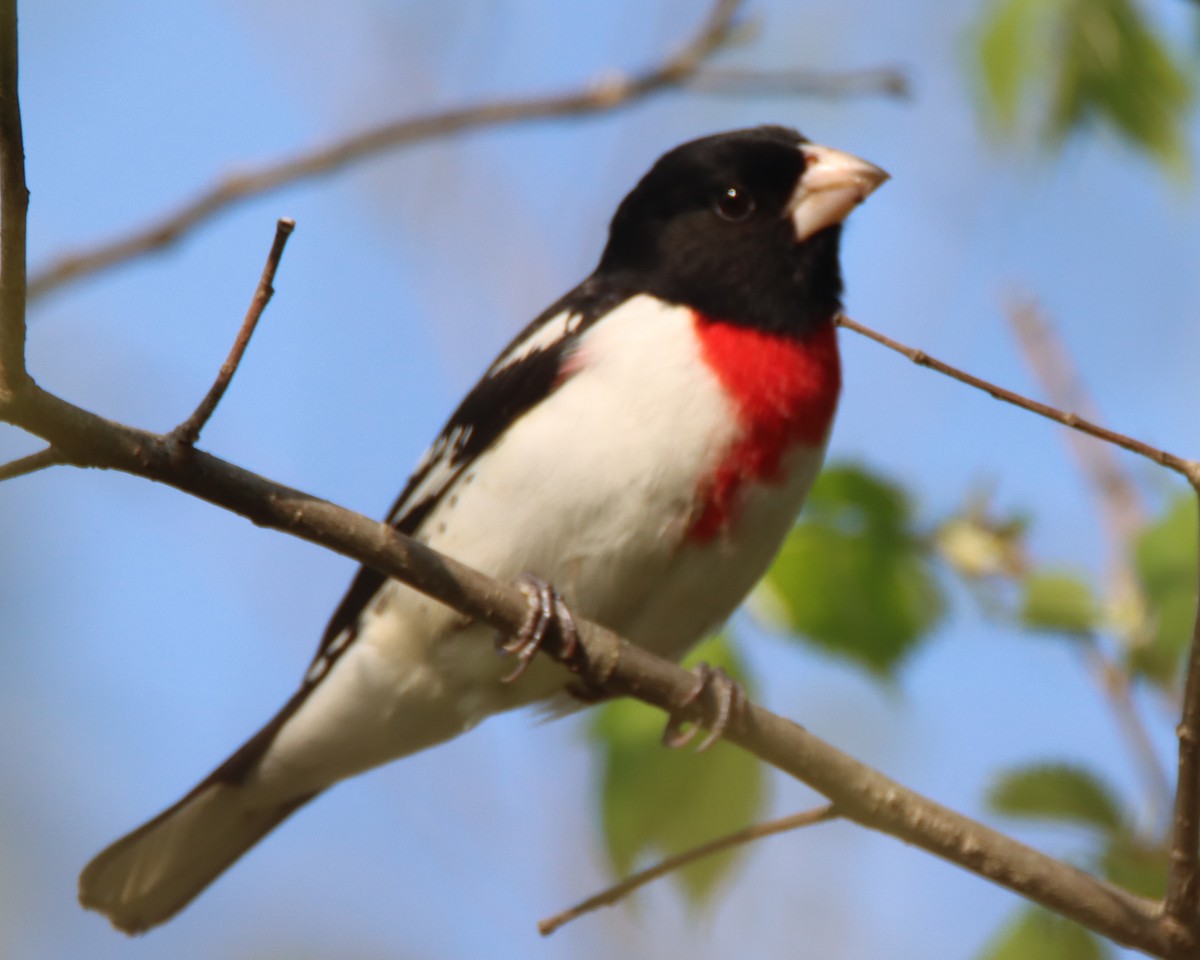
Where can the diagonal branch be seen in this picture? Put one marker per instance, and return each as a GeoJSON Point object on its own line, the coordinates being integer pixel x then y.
{"type": "Point", "coordinates": [619, 891]}
{"type": "Point", "coordinates": [188, 432]}
{"type": "Point", "coordinates": [31, 464]}
{"type": "Point", "coordinates": [1182, 902]}
{"type": "Point", "coordinates": [604, 97]}
{"type": "Point", "coordinates": [683, 70]}
{"type": "Point", "coordinates": [618, 668]}
{"type": "Point", "coordinates": [1120, 505]}
{"type": "Point", "coordinates": [1187, 468]}
{"type": "Point", "coordinates": [1120, 509]}
{"type": "Point", "coordinates": [1183, 881]}
{"type": "Point", "coordinates": [14, 209]}
{"type": "Point", "coordinates": [831, 85]}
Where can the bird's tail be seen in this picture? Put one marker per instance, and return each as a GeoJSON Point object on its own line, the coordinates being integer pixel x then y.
{"type": "Point", "coordinates": [152, 873]}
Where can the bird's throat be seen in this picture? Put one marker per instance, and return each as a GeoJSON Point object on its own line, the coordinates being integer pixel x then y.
{"type": "Point", "coordinates": [784, 391]}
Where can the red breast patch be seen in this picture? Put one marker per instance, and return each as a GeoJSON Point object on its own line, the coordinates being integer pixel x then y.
{"type": "Point", "coordinates": [785, 392]}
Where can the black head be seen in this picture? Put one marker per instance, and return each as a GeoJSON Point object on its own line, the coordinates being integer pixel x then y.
{"type": "Point", "coordinates": [741, 226]}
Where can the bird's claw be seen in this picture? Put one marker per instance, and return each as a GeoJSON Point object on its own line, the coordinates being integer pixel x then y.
{"type": "Point", "coordinates": [730, 697]}
{"type": "Point", "coordinates": [547, 612]}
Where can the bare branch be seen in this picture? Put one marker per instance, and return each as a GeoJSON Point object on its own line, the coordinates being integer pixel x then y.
{"type": "Point", "coordinates": [1183, 885]}
{"type": "Point", "coordinates": [1120, 509]}
{"type": "Point", "coordinates": [188, 432]}
{"type": "Point", "coordinates": [619, 891]}
{"type": "Point", "coordinates": [14, 209]}
{"type": "Point", "coordinates": [594, 98]}
{"type": "Point", "coordinates": [31, 464]}
{"type": "Point", "coordinates": [829, 84]}
{"type": "Point", "coordinates": [618, 668]}
{"type": "Point", "coordinates": [1115, 682]}
{"type": "Point", "coordinates": [1188, 468]}
{"type": "Point", "coordinates": [1119, 504]}
{"type": "Point", "coordinates": [682, 70]}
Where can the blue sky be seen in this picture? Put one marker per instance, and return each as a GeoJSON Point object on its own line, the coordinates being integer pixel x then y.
{"type": "Point", "coordinates": [148, 634]}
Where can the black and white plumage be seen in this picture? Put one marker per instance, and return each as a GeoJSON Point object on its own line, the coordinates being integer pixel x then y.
{"type": "Point", "coordinates": [644, 445]}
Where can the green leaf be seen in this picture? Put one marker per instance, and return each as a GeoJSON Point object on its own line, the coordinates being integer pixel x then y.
{"type": "Point", "coordinates": [1165, 559]}
{"type": "Point", "coordinates": [657, 801]}
{"type": "Point", "coordinates": [1060, 792]}
{"type": "Point", "coordinates": [854, 577]}
{"type": "Point", "coordinates": [1059, 602]}
{"type": "Point", "coordinates": [1136, 866]}
{"type": "Point", "coordinates": [1011, 50]}
{"type": "Point", "coordinates": [1036, 934]}
{"type": "Point", "coordinates": [1115, 69]}
{"type": "Point", "coordinates": [1070, 64]}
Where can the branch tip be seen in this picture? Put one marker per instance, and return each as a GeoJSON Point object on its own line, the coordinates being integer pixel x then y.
{"type": "Point", "coordinates": [31, 464]}
{"type": "Point", "coordinates": [187, 433]}
{"type": "Point", "coordinates": [619, 891]}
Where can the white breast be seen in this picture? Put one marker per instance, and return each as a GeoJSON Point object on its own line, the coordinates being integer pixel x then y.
{"type": "Point", "coordinates": [594, 491]}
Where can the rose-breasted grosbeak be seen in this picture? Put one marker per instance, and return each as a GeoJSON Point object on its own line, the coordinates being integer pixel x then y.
{"type": "Point", "coordinates": [644, 445]}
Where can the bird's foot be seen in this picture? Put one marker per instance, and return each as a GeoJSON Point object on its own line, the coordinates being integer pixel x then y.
{"type": "Point", "coordinates": [547, 612]}
{"type": "Point", "coordinates": [730, 697]}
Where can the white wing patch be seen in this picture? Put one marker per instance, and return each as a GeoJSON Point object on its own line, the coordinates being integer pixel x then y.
{"type": "Point", "coordinates": [557, 328]}
{"type": "Point", "coordinates": [439, 467]}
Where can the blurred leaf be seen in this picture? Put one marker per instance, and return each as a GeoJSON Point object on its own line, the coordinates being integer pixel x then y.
{"type": "Point", "coordinates": [1036, 934]}
{"type": "Point", "coordinates": [660, 801]}
{"type": "Point", "coordinates": [1165, 558]}
{"type": "Point", "coordinates": [1059, 602]}
{"type": "Point", "coordinates": [1050, 791]}
{"type": "Point", "coordinates": [1009, 57]}
{"type": "Point", "coordinates": [853, 576]}
{"type": "Point", "coordinates": [1116, 69]}
{"type": "Point", "coordinates": [1084, 62]}
{"type": "Point", "coordinates": [1136, 866]}
{"type": "Point", "coordinates": [978, 546]}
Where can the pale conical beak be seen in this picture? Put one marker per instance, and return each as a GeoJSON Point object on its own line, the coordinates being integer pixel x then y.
{"type": "Point", "coordinates": [833, 184]}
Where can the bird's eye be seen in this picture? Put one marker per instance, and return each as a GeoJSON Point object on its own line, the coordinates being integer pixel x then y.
{"type": "Point", "coordinates": [735, 204]}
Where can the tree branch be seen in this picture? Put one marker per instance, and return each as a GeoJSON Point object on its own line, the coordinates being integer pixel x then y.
{"type": "Point", "coordinates": [31, 464]}
{"type": "Point", "coordinates": [1183, 887]}
{"type": "Point", "coordinates": [188, 432]}
{"type": "Point", "coordinates": [619, 891]}
{"type": "Point", "coordinates": [1119, 504]}
{"type": "Point", "coordinates": [1183, 883]}
{"type": "Point", "coordinates": [616, 667]}
{"type": "Point", "coordinates": [681, 70]}
{"type": "Point", "coordinates": [885, 81]}
{"type": "Point", "coordinates": [14, 208]}
{"type": "Point", "coordinates": [1188, 468]}
{"type": "Point", "coordinates": [1120, 509]}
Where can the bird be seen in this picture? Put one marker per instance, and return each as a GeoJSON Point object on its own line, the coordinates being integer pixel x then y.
{"type": "Point", "coordinates": [644, 446]}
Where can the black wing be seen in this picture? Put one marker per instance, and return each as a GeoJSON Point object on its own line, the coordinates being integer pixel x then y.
{"type": "Point", "coordinates": [523, 375]}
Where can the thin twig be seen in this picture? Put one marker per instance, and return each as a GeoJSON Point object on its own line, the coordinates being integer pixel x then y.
{"type": "Point", "coordinates": [1188, 468]}
{"type": "Point", "coordinates": [1114, 681]}
{"type": "Point", "coordinates": [1120, 509]}
{"type": "Point", "coordinates": [1183, 885]}
{"type": "Point", "coordinates": [1118, 501]}
{"type": "Point", "coordinates": [627, 886]}
{"type": "Point", "coordinates": [1183, 881]}
{"type": "Point", "coordinates": [188, 432]}
{"type": "Point", "coordinates": [14, 209]}
{"type": "Point", "coordinates": [593, 98]}
{"type": "Point", "coordinates": [833, 84]}
{"type": "Point", "coordinates": [31, 464]}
